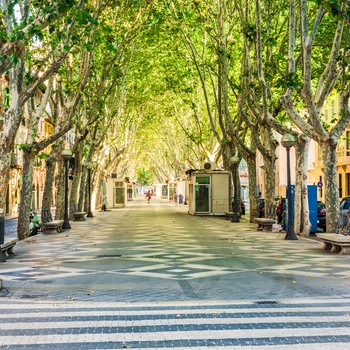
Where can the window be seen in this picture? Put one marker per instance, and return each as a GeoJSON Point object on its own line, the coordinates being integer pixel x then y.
{"type": "Point", "coordinates": [202, 180]}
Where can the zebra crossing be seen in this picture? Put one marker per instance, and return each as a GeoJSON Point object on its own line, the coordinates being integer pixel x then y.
{"type": "Point", "coordinates": [282, 324]}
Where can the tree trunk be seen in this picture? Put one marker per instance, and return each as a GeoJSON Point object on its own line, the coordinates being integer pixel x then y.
{"type": "Point", "coordinates": [235, 190]}
{"type": "Point", "coordinates": [330, 184]}
{"type": "Point", "coordinates": [5, 161]}
{"type": "Point", "coordinates": [48, 188]}
{"type": "Point", "coordinates": [302, 223]}
{"type": "Point", "coordinates": [82, 192]}
{"type": "Point", "coordinates": [11, 125]}
{"type": "Point", "coordinates": [61, 177]}
{"type": "Point", "coordinates": [74, 193]}
{"type": "Point", "coordinates": [251, 161]}
{"type": "Point", "coordinates": [269, 177]}
{"type": "Point", "coordinates": [26, 198]}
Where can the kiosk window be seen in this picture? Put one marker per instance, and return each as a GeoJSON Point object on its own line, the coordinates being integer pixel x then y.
{"type": "Point", "coordinates": [202, 180]}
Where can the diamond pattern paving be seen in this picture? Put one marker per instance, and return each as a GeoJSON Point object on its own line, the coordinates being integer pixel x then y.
{"type": "Point", "coordinates": [152, 276]}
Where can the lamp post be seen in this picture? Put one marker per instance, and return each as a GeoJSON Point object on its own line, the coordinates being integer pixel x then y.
{"type": "Point", "coordinates": [88, 166]}
{"type": "Point", "coordinates": [66, 155]}
{"type": "Point", "coordinates": [235, 160]}
{"type": "Point", "coordinates": [287, 142]}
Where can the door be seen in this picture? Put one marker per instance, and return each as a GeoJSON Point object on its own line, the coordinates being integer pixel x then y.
{"type": "Point", "coordinates": [202, 194]}
{"type": "Point", "coordinates": [119, 193]}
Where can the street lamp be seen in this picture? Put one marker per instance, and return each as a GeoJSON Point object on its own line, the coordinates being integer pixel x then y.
{"type": "Point", "coordinates": [88, 166]}
{"type": "Point", "coordinates": [66, 155]}
{"type": "Point", "coordinates": [235, 160]}
{"type": "Point", "coordinates": [287, 142]}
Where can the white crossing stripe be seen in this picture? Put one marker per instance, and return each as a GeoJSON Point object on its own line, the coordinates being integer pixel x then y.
{"type": "Point", "coordinates": [322, 324]}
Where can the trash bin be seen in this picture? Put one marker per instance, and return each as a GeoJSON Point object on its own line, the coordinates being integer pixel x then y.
{"type": "Point", "coordinates": [2, 226]}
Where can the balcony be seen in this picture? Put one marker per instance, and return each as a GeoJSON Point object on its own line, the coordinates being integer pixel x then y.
{"type": "Point", "coordinates": [343, 157]}
{"type": "Point", "coordinates": [16, 161]}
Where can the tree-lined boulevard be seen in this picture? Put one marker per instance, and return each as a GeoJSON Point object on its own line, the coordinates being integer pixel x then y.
{"type": "Point", "coordinates": [140, 92]}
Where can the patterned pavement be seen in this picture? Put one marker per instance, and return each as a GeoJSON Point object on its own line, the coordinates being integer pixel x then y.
{"type": "Point", "coordinates": [195, 325]}
{"type": "Point", "coordinates": [152, 276]}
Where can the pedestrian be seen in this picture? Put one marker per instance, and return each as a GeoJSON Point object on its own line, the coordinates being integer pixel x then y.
{"type": "Point", "coordinates": [181, 199]}
{"type": "Point", "coordinates": [175, 198]}
{"type": "Point", "coordinates": [148, 197]}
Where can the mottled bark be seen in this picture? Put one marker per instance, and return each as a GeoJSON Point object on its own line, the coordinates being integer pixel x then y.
{"type": "Point", "coordinates": [269, 177]}
{"type": "Point", "coordinates": [60, 180]}
{"type": "Point", "coordinates": [11, 125]}
{"type": "Point", "coordinates": [82, 190]}
{"type": "Point", "coordinates": [251, 161]}
{"type": "Point", "coordinates": [228, 166]}
{"type": "Point", "coordinates": [5, 161]}
{"type": "Point", "coordinates": [49, 186]}
{"type": "Point", "coordinates": [267, 146]}
{"type": "Point", "coordinates": [26, 197]}
{"type": "Point", "coordinates": [74, 194]}
{"type": "Point", "coordinates": [99, 193]}
{"type": "Point", "coordinates": [302, 223]}
{"type": "Point", "coordinates": [86, 194]}
{"type": "Point", "coordinates": [330, 184]}
{"type": "Point", "coordinates": [236, 190]}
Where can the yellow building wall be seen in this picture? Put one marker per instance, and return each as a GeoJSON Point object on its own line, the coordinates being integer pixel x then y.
{"type": "Point", "coordinates": [330, 111]}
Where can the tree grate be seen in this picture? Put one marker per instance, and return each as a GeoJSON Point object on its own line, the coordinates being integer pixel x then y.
{"type": "Point", "coordinates": [263, 302]}
{"type": "Point", "coordinates": [34, 296]}
{"type": "Point", "coordinates": [44, 282]}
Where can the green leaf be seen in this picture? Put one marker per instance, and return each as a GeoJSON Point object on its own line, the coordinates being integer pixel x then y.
{"type": "Point", "coordinates": [43, 156]}
{"type": "Point", "coordinates": [14, 59]}
{"type": "Point", "coordinates": [23, 146]}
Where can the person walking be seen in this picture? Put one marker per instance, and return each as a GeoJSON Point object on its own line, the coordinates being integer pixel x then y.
{"type": "Point", "coordinates": [176, 198]}
{"type": "Point", "coordinates": [181, 199]}
{"type": "Point", "coordinates": [148, 197]}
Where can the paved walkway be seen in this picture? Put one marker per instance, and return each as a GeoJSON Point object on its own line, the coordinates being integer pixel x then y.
{"type": "Point", "coordinates": [152, 276]}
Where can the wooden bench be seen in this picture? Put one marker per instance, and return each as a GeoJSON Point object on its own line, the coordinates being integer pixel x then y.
{"type": "Point", "coordinates": [335, 242]}
{"type": "Point", "coordinates": [49, 224]}
{"type": "Point", "coordinates": [7, 248]}
{"type": "Point", "coordinates": [79, 216]}
{"type": "Point", "coordinates": [267, 222]}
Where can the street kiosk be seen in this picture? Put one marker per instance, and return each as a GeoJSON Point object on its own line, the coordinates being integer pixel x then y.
{"type": "Point", "coordinates": [209, 192]}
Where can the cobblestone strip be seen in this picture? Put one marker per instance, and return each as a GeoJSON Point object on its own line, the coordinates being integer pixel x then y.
{"type": "Point", "coordinates": [208, 325]}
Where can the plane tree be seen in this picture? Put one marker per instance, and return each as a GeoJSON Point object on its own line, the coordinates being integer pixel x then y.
{"type": "Point", "coordinates": [317, 67]}
{"type": "Point", "coordinates": [40, 57]}
{"type": "Point", "coordinates": [204, 29]}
